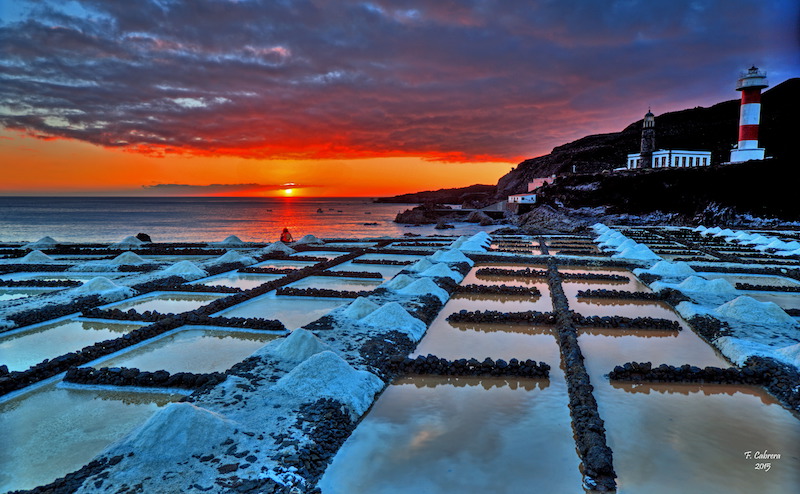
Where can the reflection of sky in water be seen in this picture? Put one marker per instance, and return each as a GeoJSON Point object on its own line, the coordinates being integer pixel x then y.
{"type": "Point", "coordinates": [459, 438]}
{"type": "Point", "coordinates": [50, 432]}
{"type": "Point", "coordinates": [293, 312]}
{"type": "Point", "coordinates": [337, 283]}
{"type": "Point", "coordinates": [168, 302]}
{"type": "Point", "coordinates": [192, 350]}
{"type": "Point", "coordinates": [245, 281]}
{"type": "Point", "coordinates": [24, 349]}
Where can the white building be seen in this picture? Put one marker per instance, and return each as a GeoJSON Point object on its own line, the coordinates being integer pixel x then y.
{"type": "Point", "coordinates": [522, 199]}
{"type": "Point", "coordinates": [672, 158]}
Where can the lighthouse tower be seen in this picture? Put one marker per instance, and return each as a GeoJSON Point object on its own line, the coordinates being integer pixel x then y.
{"type": "Point", "coordinates": [750, 83]}
{"type": "Point", "coordinates": [648, 140]}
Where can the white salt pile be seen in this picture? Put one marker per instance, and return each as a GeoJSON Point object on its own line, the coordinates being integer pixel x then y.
{"type": "Point", "coordinates": [425, 286]}
{"type": "Point", "coordinates": [326, 375]}
{"type": "Point", "coordinates": [711, 231]}
{"type": "Point", "coordinates": [232, 256]}
{"type": "Point", "coordinates": [697, 284]}
{"type": "Point", "coordinates": [724, 233]}
{"type": "Point", "coordinates": [105, 288]}
{"type": "Point", "coordinates": [185, 269]}
{"type": "Point", "coordinates": [471, 246]}
{"type": "Point", "coordinates": [458, 242]}
{"type": "Point", "coordinates": [625, 244]}
{"type": "Point", "coordinates": [668, 270]}
{"type": "Point", "coordinates": [230, 241]}
{"type": "Point", "coordinates": [451, 256]}
{"type": "Point", "coordinates": [738, 350]}
{"type": "Point", "coordinates": [360, 307]}
{"type": "Point", "coordinates": [276, 247]}
{"type": "Point", "coordinates": [35, 257]}
{"type": "Point", "coordinates": [299, 345]}
{"type": "Point", "coordinates": [750, 310]}
{"type": "Point", "coordinates": [398, 282]}
{"type": "Point", "coordinates": [42, 243]}
{"type": "Point", "coordinates": [175, 432]}
{"type": "Point", "coordinates": [392, 316]}
{"type": "Point", "coordinates": [309, 240]}
{"type": "Point", "coordinates": [613, 241]}
{"type": "Point", "coordinates": [698, 229]}
{"type": "Point", "coordinates": [420, 265]}
{"type": "Point", "coordinates": [128, 243]}
{"type": "Point", "coordinates": [600, 228]}
{"type": "Point", "coordinates": [127, 259]}
{"type": "Point", "coordinates": [640, 252]}
{"type": "Point", "coordinates": [442, 270]}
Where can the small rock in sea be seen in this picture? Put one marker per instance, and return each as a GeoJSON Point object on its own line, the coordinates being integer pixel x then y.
{"type": "Point", "coordinates": [370, 224]}
{"type": "Point", "coordinates": [143, 237]}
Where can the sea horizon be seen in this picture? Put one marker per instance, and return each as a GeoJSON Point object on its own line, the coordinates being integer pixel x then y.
{"type": "Point", "coordinates": [95, 219]}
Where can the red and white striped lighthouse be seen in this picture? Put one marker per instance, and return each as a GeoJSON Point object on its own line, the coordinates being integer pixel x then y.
{"type": "Point", "coordinates": [750, 83]}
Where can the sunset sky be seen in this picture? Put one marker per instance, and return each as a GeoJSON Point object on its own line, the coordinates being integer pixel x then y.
{"type": "Point", "coordinates": [349, 98]}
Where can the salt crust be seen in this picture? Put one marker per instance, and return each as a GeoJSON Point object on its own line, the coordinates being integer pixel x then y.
{"type": "Point", "coordinates": [229, 241]}
{"type": "Point", "coordinates": [451, 256]}
{"type": "Point", "coordinates": [276, 247]}
{"type": "Point", "coordinates": [441, 270]}
{"type": "Point", "coordinates": [129, 242]}
{"type": "Point", "coordinates": [457, 242]}
{"type": "Point", "coordinates": [639, 251]}
{"type": "Point", "coordinates": [295, 348]}
{"type": "Point", "coordinates": [392, 316]}
{"type": "Point", "coordinates": [42, 243]}
{"type": "Point", "coordinates": [424, 286]}
{"type": "Point", "coordinates": [398, 282]}
{"type": "Point", "coordinates": [326, 375]}
{"type": "Point", "coordinates": [174, 433]}
{"type": "Point", "coordinates": [309, 239]}
{"type": "Point", "coordinates": [105, 288]}
{"type": "Point", "coordinates": [420, 265]}
{"type": "Point", "coordinates": [724, 233]}
{"type": "Point", "coordinates": [739, 350]}
{"type": "Point", "coordinates": [668, 269]}
{"type": "Point", "coordinates": [362, 306]}
{"type": "Point", "coordinates": [35, 257]}
{"type": "Point", "coordinates": [127, 258]}
{"type": "Point", "coordinates": [748, 309]}
{"type": "Point", "coordinates": [472, 246]}
{"type": "Point", "coordinates": [185, 269]}
{"type": "Point", "coordinates": [233, 256]}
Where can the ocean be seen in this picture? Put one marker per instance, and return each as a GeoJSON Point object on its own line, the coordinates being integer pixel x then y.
{"type": "Point", "coordinates": [203, 219]}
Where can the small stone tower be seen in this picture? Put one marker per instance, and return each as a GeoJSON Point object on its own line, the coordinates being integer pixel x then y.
{"type": "Point", "coordinates": [648, 140]}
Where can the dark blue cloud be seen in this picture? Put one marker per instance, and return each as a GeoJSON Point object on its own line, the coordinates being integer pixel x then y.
{"type": "Point", "coordinates": [472, 80]}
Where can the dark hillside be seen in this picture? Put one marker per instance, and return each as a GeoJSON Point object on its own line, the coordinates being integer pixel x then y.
{"type": "Point", "coordinates": [713, 128]}
{"type": "Point", "coordinates": [742, 188]}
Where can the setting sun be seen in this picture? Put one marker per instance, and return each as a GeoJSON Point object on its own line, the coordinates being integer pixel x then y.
{"type": "Point", "coordinates": [288, 192]}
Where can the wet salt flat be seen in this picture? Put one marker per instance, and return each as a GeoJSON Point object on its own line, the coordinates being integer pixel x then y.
{"type": "Point", "coordinates": [337, 283]}
{"type": "Point", "coordinates": [325, 254]}
{"type": "Point", "coordinates": [445, 435]}
{"type": "Point", "coordinates": [60, 276]}
{"type": "Point", "coordinates": [389, 257]}
{"type": "Point", "coordinates": [245, 281]}
{"type": "Point", "coordinates": [385, 270]}
{"type": "Point", "coordinates": [167, 302]}
{"type": "Point", "coordinates": [49, 432]}
{"type": "Point", "coordinates": [293, 312]}
{"type": "Point", "coordinates": [27, 347]}
{"type": "Point", "coordinates": [18, 293]}
{"type": "Point", "coordinates": [671, 438]}
{"type": "Point", "coordinates": [191, 350]}
{"type": "Point", "coordinates": [282, 264]}
{"type": "Point", "coordinates": [753, 279]}
{"type": "Point", "coordinates": [504, 303]}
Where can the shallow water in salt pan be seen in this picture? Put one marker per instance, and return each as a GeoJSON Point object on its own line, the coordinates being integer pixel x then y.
{"type": "Point", "coordinates": [337, 283]}
{"type": "Point", "coordinates": [18, 293]}
{"type": "Point", "coordinates": [390, 257]}
{"type": "Point", "coordinates": [293, 312]}
{"type": "Point", "coordinates": [281, 264]}
{"type": "Point", "coordinates": [460, 435]}
{"type": "Point", "coordinates": [385, 270]}
{"type": "Point", "coordinates": [325, 254]}
{"type": "Point", "coordinates": [191, 350]}
{"type": "Point", "coordinates": [245, 281]}
{"type": "Point", "coordinates": [172, 302]}
{"type": "Point", "coordinates": [29, 347]}
{"type": "Point", "coordinates": [49, 432]}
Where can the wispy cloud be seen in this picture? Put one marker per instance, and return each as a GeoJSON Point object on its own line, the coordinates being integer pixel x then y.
{"type": "Point", "coordinates": [456, 81]}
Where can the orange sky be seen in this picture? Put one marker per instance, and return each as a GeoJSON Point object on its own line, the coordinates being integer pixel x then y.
{"type": "Point", "coordinates": [32, 166]}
